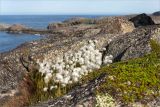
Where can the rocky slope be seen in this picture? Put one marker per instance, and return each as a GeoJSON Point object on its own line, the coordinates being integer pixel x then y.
{"type": "Point", "coordinates": [117, 35]}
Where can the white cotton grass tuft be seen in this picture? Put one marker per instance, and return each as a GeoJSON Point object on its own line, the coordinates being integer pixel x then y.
{"type": "Point", "coordinates": [108, 59]}
{"type": "Point", "coordinates": [72, 66]}
{"type": "Point", "coordinates": [45, 89]}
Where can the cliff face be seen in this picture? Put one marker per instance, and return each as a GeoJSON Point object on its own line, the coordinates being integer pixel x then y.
{"type": "Point", "coordinates": [117, 35]}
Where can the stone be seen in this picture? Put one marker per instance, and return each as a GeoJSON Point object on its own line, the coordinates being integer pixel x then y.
{"type": "Point", "coordinates": [131, 45]}
{"type": "Point", "coordinates": [156, 19]}
{"type": "Point", "coordinates": [53, 26]}
{"type": "Point", "coordinates": [79, 105]}
{"type": "Point", "coordinates": [156, 35]}
{"type": "Point", "coordinates": [4, 27]}
{"type": "Point", "coordinates": [142, 20]}
{"type": "Point", "coordinates": [156, 13]}
{"type": "Point", "coordinates": [116, 25]}
{"type": "Point", "coordinates": [70, 22]}
{"type": "Point", "coordinates": [111, 25]}
{"type": "Point", "coordinates": [16, 28]}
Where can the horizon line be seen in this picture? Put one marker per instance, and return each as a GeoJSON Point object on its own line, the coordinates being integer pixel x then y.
{"type": "Point", "coordinates": [109, 14]}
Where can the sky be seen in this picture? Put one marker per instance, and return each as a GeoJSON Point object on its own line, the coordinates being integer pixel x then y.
{"type": "Point", "coordinates": [79, 7]}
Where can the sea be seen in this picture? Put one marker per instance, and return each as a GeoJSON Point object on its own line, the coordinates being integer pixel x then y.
{"type": "Point", "coordinates": [11, 41]}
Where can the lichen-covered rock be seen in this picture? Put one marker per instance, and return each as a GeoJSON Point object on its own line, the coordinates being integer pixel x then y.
{"type": "Point", "coordinates": [116, 25]}
{"type": "Point", "coordinates": [78, 20]}
{"type": "Point", "coordinates": [156, 35]}
{"type": "Point", "coordinates": [132, 45]}
{"type": "Point", "coordinates": [110, 25]}
{"type": "Point", "coordinates": [142, 20]}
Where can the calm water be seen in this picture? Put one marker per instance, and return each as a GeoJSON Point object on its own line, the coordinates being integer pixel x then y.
{"type": "Point", "coordinates": [11, 41]}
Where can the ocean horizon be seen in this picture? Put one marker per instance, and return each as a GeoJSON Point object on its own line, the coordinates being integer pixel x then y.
{"type": "Point", "coordinates": [11, 41]}
{"type": "Point", "coordinates": [40, 21]}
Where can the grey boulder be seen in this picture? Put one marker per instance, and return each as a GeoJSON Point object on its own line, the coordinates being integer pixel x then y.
{"type": "Point", "coordinates": [132, 45]}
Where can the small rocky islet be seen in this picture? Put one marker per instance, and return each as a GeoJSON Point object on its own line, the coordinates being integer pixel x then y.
{"type": "Point", "coordinates": [121, 67]}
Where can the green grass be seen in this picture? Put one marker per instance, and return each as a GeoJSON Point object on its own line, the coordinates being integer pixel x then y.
{"type": "Point", "coordinates": [133, 80]}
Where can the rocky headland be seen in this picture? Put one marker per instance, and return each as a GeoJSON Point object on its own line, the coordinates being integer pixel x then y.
{"type": "Point", "coordinates": [123, 38]}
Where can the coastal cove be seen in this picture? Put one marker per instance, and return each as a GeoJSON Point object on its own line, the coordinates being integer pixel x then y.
{"type": "Point", "coordinates": [40, 21]}
{"type": "Point", "coordinates": [10, 41]}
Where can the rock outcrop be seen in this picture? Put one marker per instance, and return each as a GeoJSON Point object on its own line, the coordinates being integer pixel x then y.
{"type": "Point", "coordinates": [116, 25]}
{"type": "Point", "coordinates": [69, 23]}
{"type": "Point", "coordinates": [4, 27]}
{"type": "Point", "coordinates": [16, 28]}
{"type": "Point", "coordinates": [156, 35]}
{"type": "Point", "coordinates": [110, 25]}
{"type": "Point", "coordinates": [132, 45]}
{"type": "Point", "coordinates": [156, 13]}
{"type": "Point", "coordinates": [156, 19]}
{"type": "Point", "coordinates": [142, 20]}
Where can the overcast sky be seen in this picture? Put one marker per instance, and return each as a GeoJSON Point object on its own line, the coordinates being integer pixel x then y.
{"type": "Point", "coordinates": [110, 7]}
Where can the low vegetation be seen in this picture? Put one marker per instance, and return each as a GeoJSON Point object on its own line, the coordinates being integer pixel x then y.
{"type": "Point", "coordinates": [128, 81]}
{"type": "Point", "coordinates": [133, 80]}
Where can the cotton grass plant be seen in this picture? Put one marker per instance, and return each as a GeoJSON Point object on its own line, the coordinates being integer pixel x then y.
{"type": "Point", "coordinates": [57, 76]}
{"type": "Point", "coordinates": [70, 67]}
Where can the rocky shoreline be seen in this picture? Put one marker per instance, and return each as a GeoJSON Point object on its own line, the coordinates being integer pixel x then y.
{"type": "Point", "coordinates": [121, 37]}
